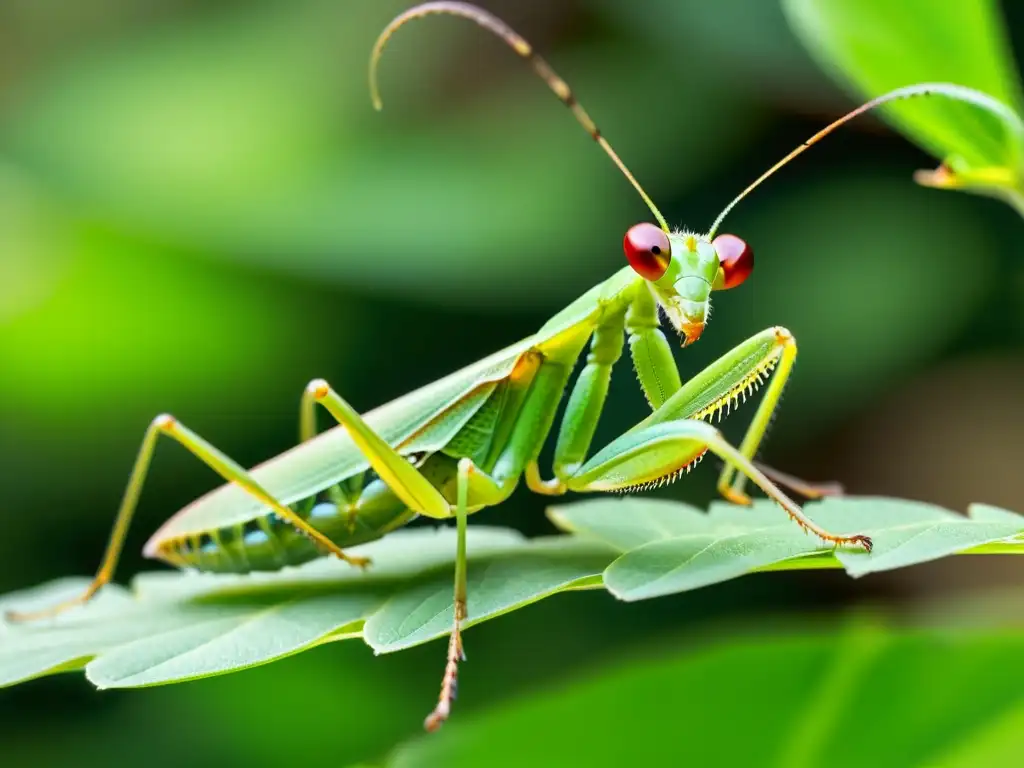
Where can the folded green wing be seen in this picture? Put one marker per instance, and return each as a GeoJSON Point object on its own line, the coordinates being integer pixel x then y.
{"type": "Point", "coordinates": [421, 421]}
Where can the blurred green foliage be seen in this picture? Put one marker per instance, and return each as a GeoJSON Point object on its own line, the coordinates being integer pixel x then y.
{"type": "Point", "coordinates": [199, 212]}
{"type": "Point", "coordinates": [878, 46]}
{"type": "Point", "coordinates": [865, 695]}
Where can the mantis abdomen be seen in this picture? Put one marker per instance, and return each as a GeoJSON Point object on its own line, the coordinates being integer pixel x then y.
{"type": "Point", "coordinates": [269, 543]}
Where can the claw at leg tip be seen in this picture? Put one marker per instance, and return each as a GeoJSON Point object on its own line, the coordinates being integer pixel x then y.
{"type": "Point", "coordinates": [434, 721]}
{"type": "Point", "coordinates": [736, 497]}
{"type": "Point", "coordinates": [360, 562]}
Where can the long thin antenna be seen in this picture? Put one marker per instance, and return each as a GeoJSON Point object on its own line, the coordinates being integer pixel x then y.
{"type": "Point", "coordinates": [525, 50]}
{"type": "Point", "coordinates": [957, 92]}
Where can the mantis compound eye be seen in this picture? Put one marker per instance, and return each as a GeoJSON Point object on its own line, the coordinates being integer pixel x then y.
{"type": "Point", "coordinates": [648, 250]}
{"type": "Point", "coordinates": [736, 258]}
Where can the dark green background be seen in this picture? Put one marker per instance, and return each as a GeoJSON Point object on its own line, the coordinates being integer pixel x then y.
{"type": "Point", "coordinates": [199, 212]}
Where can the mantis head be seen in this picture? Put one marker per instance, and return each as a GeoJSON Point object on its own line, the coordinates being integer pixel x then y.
{"type": "Point", "coordinates": [682, 269]}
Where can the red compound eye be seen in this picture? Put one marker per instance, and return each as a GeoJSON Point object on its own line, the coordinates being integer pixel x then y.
{"type": "Point", "coordinates": [647, 250]}
{"type": "Point", "coordinates": [736, 258]}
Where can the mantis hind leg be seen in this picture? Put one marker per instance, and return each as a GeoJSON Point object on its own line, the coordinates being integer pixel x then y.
{"type": "Point", "coordinates": [662, 450]}
{"type": "Point", "coordinates": [805, 488]}
{"type": "Point", "coordinates": [213, 458]}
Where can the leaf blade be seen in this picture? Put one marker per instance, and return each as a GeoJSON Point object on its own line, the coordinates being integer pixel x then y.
{"type": "Point", "coordinates": [211, 640]}
{"type": "Point", "coordinates": [425, 612]}
{"type": "Point", "coordinates": [877, 46]}
{"type": "Point", "coordinates": [177, 627]}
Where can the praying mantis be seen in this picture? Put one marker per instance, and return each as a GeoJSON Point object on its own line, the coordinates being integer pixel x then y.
{"type": "Point", "coordinates": [463, 443]}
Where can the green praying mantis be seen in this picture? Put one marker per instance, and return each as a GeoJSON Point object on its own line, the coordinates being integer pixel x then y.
{"type": "Point", "coordinates": [462, 443]}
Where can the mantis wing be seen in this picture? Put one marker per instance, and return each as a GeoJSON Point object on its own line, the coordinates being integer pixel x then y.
{"type": "Point", "coordinates": [422, 421]}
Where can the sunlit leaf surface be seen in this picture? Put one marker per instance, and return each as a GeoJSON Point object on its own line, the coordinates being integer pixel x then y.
{"type": "Point", "coordinates": [176, 627]}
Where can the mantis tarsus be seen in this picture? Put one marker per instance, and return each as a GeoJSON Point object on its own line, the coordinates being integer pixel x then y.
{"type": "Point", "coordinates": [462, 443]}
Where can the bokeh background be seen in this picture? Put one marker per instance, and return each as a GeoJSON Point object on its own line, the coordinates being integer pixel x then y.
{"type": "Point", "coordinates": [200, 212]}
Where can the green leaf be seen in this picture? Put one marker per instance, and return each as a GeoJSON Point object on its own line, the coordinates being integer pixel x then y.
{"type": "Point", "coordinates": [424, 612]}
{"type": "Point", "coordinates": [26, 653]}
{"type": "Point", "coordinates": [907, 532]}
{"type": "Point", "coordinates": [863, 696]}
{"type": "Point", "coordinates": [213, 639]}
{"type": "Point", "coordinates": [172, 627]}
{"type": "Point", "coordinates": [186, 626]}
{"type": "Point", "coordinates": [625, 524]}
{"type": "Point", "coordinates": [877, 46]}
{"type": "Point", "coordinates": [690, 562]}
{"type": "Point", "coordinates": [673, 548]}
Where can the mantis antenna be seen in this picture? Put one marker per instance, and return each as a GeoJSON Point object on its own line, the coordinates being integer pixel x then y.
{"type": "Point", "coordinates": [525, 50]}
{"type": "Point", "coordinates": [956, 92]}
